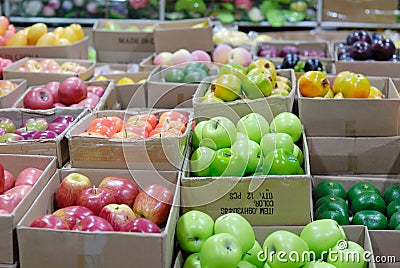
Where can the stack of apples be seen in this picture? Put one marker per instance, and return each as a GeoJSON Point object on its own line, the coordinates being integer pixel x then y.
{"type": "Point", "coordinates": [181, 56]}
{"type": "Point", "coordinates": [230, 242]}
{"type": "Point", "coordinates": [33, 128]}
{"type": "Point", "coordinates": [116, 204]}
{"type": "Point", "coordinates": [51, 66]}
{"type": "Point", "coordinates": [6, 87]}
{"type": "Point", "coordinates": [72, 92]}
{"type": "Point", "coordinates": [13, 190]}
{"type": "Point", "coordinates": [141, 126]}
{"type": "Point", "coordinates": [3, 64]}
{"type": "Point", "coordinates": [315, 84]}
{"type": "Point", "coordinates": [251, 147]}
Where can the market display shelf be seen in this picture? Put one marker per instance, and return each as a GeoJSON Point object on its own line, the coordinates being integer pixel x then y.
{"type": "Point", "coordinates": [53, 20]}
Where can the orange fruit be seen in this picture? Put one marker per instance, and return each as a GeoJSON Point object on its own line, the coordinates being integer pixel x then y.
{"type": "Point", "coordinates": [355, 86]}
{"type": "Point", "coordinates": [314, 84]}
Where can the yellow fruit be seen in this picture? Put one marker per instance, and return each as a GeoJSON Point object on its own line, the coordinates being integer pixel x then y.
{"type": "Point", "coordinates": [329, 95]}
{"type": "Point", "coordinates": [59, 31]}
{"type": "Point", "coordinates": [262, 38]}
{"type": "Point", "coordinates": [63, 41]}
{"type": "Point", "coordinates": [200, 25]}
{"type": "Point", "coordinates": [141, 81]}
{"type": "Point", "coordinates": [338, 96]}
{"type": "Point", "coordinates": [375, 93]}
{"type": "Point", "coordinates": [70, 34]}
{"type": "Point", "coordinates": [20, 38]}
{"type": "Point", "coordinates": [101, 78]}
{"type": "Point", "coordinates": [355, 86]}
{"type": "Point", "coordinates": [36, 31]}
{"type": "Point", "coordinates": [314, 84]}
{"type": "Point", "coordinates": [336, 84]}
{"type": "Point", "coordinates": [48, 39]}
{"type": "Point", "coordinates": [125, 81]}
{"type": "Point", "coordinates": [78, 30]}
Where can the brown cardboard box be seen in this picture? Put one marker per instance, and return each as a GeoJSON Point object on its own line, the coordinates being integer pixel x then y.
{"type": "Point", "coordinates": [352, 117]}
{"type": "Point", "coordinates": [121, 57]}
{"type": "Point", "coordinates": [8, 100]}
{"type": "Point", "coordinates": [358, 234]}
{"type": "Point", "coordinates": [77, 50]}
{"type": "Point", "coordinates": [360, 11]}
{"type": "Point", "coordinates": [40, 78]}
{"type": "Point", "coordinates": [146, 154]}
{"type": "Point", "coordinates": [102, 68]}
{"type": "Point", "coordinates": [262, 200]}
{"type": "Point", "coordinates": [15, 164]}
{"type": "Point", "coordinates": [354, 155]}
{"type": "Point", "coordinates": [55, 248]}
{"type": "Point", "coordinates": [396, 82]}
{"type": "Point", "coordinates": [148, 62]}
{"type": "Point", "coordinates": [123, 40]}
{"type": "Point", "coordinates": [311, 35]}
{"type": "Point", "coordinates": [57, 147]}
{"type": "Point", "coordinates": [107, 102]}
{"type": "Point", "coordinates": [269, 107]}
{"type": "Point", "coordinates": [173, 35]}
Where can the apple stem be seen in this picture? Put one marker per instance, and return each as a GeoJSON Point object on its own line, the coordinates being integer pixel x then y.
{"type": "Point", "coordinates": [216, 124]}
{"type": "Point", "coordinates": [94, 189]}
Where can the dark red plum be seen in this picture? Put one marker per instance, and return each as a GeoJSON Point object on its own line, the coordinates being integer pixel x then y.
{"type": "Point", "coordinates": [361, 50]}
{"type": "Point", "coordinates": [383, 49]}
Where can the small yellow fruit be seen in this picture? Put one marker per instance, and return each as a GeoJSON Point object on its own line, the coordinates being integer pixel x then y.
{"type": "Point", "coordinates": [329, 95]}
{"type": "Point", "coordinates": [314, 84]}
{"type": "Point", "coordinates": [78, 30]}
{"type": "Point", "coordinates": [338, 96]}
{"type": "Point", "coordinates": [375, 93]}
{"type": "Point", "coordinates": [48, 39]}
{"type": "Point", "coordinates": [36, 31]}
{"type": "Point", "coordinates": [59, 31]}
{"type": "Point", "coordinates": [125, 81]}
{"type": "Point", "coordinates": [20, 38]}
{"type": "Point", "coordinates": [63, 41]}
{"type": "Point", "coordinates": [141, 81]}
{"type": "Point", "coordinates": [101, 78]}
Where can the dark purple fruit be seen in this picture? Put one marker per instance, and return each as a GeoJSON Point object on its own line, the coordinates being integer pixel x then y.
{"type": "Point", "coordinates": [268, 51]}
{"type": "Point", "coordinates": [360, 35]}
{"type": "Point", "coordinates": [345, 56]}
{"type": "Point", "coordinates": [361, 50]}
{"type": "Point", "coordinates": [383, 49]}
{"type": "Point", "coordinates": [376, 36]}
{"type": "Point", "coordinates": [288, 49]}
{"type": "Point", "coordinates": [313, 65]}
{"type": "Point", "coordinates": [395, 58]}
{"type": "Point", "coordinates": [343, 50]}
{"type": "Point", "coordinates": [341, 44]}
{"type": "Point", "coordinates": [290, 60]}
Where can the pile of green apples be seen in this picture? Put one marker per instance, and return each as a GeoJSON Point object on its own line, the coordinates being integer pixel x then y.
{"type": "Point", "coordinates": [193, 72]}
{"type": "Point", "coordinates": [230, 242]}
{"type": "Point", "coordinates": [258, 80]}
{"type": "Point", "coordinates": [251, 147]}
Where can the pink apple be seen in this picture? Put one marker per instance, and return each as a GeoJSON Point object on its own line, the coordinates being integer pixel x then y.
{"type": "Point", "coordinates": [154, 203]}
{"type": "Point", "coordinates": [72, 214]}
{"type": "Point", "coordinates": [240, 56]}
{"type": "Point", "coordinates": [93, 223]}
{"type": "Point", "coordinates": [2, 211]}
{"type": "Point", "coordinates": [53, 88]}
{"type": "Point", "coordinates": [91, 101]}
{"type": "Point", "coordinates": [99, 91]}
{"type": "Point", "coordinates": [57, 127]}
{"type": "Point", "coordinates": [70, 188]}
{"type": "Point", "coordinates": [95, 199]}
{"type": "Point", "coordinates": [28, 176]}
{"type": "Point", "coordinates": [64, 119]}
{"type": "Point", "coordinates": [38, 98]}
{"type": "Point", "coordinates": [9, 180]}
{"type": "Point", "coordinates": [72, 90]}
{"type": "Point", "coordinates": [25, 132]}
{"type": "Point", "coordinates": [9, 202]}
{"type": "Point", "coordinates": [49, 221]}
{"type": "Point", "coordinates": [181, 56]}
{"type": "Point", "coordinates": [141, 225]}
{"type": "Point", "coordinates": [163, 59]}
{"type": "Point", "coordinates": [21, 190]}
{"type": "Point", "coordinates": [59, 104]}
{"type": "Point", "coordinates": [118, 215]}
{"type": "Point", "coordinates": [200, 55]}
{"type": "Point", "coordinates": [124, 190]}
{"type": "Point", "coordinates": [45, 135]}
{"type": "Point", "coordinates": [221, 53]}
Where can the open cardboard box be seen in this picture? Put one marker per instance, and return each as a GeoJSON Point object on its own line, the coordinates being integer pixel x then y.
{"type": "Point", "coordinates": [121, 57]}
{"type": "Point", "coordinates": [8, 100]}
{"type": "Point", "coordinates": [351, 116]}
{"type": "Point", "coordinates": [269, 107]}
{"type": "Point", "coordinates": [173, 35]}
{"type": "Point", "coordinates": [145, 154]}
{"type": "Point", "coordinates": [396, 82]}
{"type": "Point", "coordinates": [69, 249]}
{"type": "Point", "coordinates": [262, 200]}
{"type": "Point", "coordinates": [77, 50]}
{"type": "Point", "coordinates": [40, 78]}
{"type": "Point", "coordinates": [357, 233]}
{"type": "Point", "coordinates": [15, 164]}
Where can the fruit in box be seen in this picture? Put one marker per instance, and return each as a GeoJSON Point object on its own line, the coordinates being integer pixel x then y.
{"type": "Point", "coordinates": [52, 66]}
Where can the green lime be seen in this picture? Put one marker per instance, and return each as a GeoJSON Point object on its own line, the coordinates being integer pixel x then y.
{"type": "Point", "coordinates": [194, 77]}
{"type": "Point", "coordinates": [394, 221]}
{"type": "Point", "coordinates": [392, 193]}
{"type": "Point", "coordinates": [374, 220]}
{"type": "Point", "coordinates": [197, 65]}
{"type": "Point", "coordinates": [195, 70]}
{"type": "Point", "coordinates": [361, 187]}
{"type": "Point", "coordinates": [331, 188]}
{"type": "Point", "coordinates": [333, 215]}
{"type": "Point", "coordinates": [329, 199]}
{"type": "Point", "coordinates": [393, 207]}
{"type": "Point", "coordinates": [368, 201]}
{"type": "Point", "coordinates": [332, 206]}
{"type": "Point", "coordinates": [397, 227]}
{"type": "Point", "coordinates": [174, 75]}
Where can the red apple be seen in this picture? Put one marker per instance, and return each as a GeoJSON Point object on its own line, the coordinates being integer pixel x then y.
{"type": "Point", "coordinates": [154, 203]}
{"type": "Point", "coordinates": [67, 119]}
{"type": "Point", "coordinates": [8, 202]}
{"type": "Point", "coordinates": [21, 190]}
{"type": "Point", "coordinates": [140, 130]}
{"type": "Point", "coordinates": [2, 178]}
{"type": "Point", "coordinates": [172, 124]}
{"type": "Point", "coordinates": [173, 116]}
{"type": "Point", "coordinates": [91, 101]}
{"type": "Point", "coordinates": [57, 127]}
{"type": "Point", "coordinates": [72, 90]}
{"type": "Point", "coordinates": [53, 88]}
{"type": "Point", "coordinates": [28, 176]}
{"type": "Point", "coordinates": [70, 188]}
{"type": "Point", "coordinates": [50, 221]}
{"type": "Point", "coordinates": [135, 123]}
{"type": "Point", "coordinates": [118, 215]}
{"type": "Point", "coordinates": [59, 104]}
{"type": "Point", "coordinates": [151, 118]}
{"type": "Point", "coordinates": [9, 181]}
{"type": "Point", "coordinates": [2, 211]}
{"type": "Point", "coordinates": [93, 223]}
{"type": "Point", "coordinates": [95, 199]}
{"type": "Point", "coordinates": [124, 190]}
{"type": "Point", "coordinates": [72, 214]}
{"type": "Point", "coordinates": [50, 66]}
{"type": "Point", "coordinates": [127, 135]}
{"type": "Point", "coordinates": [99, 91]}
{"type": "Point", "coordinates": [38, 98]}
{"type": "Point", "coordinates": [169, 132]}
{"type": "Point", "coordinates": [141, 225]}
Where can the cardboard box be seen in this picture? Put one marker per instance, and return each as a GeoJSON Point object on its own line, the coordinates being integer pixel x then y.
{"type": "Point", "coordinates": [360, 11]}
{"type": "Point", "coordinates": [108, 101]}
{"type": "Point", "coordinates": [15, 164]}
{"type": "Point", "coordinates": [124, 39]}
{"type": "Point", "coordinates": [40, 78]}
{"type": "Point", "coordinates": [358, 234]}
{"type": "Point", "coordinates": [8, 100]}
{"type": "Point", "coordinates": [354, 155]}
{"type": "Point", "coordinates": [396, 82]}
{"type": "Point", "coordinates": [146, 154]}
{"type": "Point", "coordinates": [121, 57]}
{"type": "Point", "coordinates": [77, 50]}
{"type": "Point", "coordinates": [49, 248]}
{"type": "Point", "coordinates": [269, 107]}
{"type": "Point", "coordinates": [312, 35]}
{"type": "Point", "coordinates": [117, 68]}
{"type": "Point", "coordinates": [352, 117]}
{"type": "Point", "coordinates": [57, 147]}
{"type": "Point", "coordinates": [148, 62]}
{"type": "Point", "coordinates": [262, 200]}
{"type": "Point", "coordinates": [173, 35]}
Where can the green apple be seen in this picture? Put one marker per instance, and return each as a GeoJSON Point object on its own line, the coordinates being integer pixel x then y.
{"type": "Point", "coordinates": [280, 162]}
{"type": "Point", "coordinates": [289, 123]}
{"type": "Point", "coordinates": [228, 87]}
{"type": "Point", "coordinates": [266, 265]}
{"type": "Point", "coordinates": [201, 161]}
{"type": "Point", "coordinates": [236, 225]}
{"type": "Point", "coordinates": [192, 261]}
{"type": "Point", "coordinates": [7, 124]}
{"type": "Point", "coordinates": [210, 98]}
{"type": "Point", "coordinates": [111, 26]}
{"type": "Point", "coordinates": [254, 125]}
{"type": "Point", "coordinates": [256, 85]}
{"type": "Point", "coordinates": [285, 249]}
{"type": "Point", "coordinates": [132, 29]}
{"type": "Point", "coordinates": [233, 68]}
{"type": "Point", "coordinates": [227, 162]}
{"type": "Point", "coordinates": [245, 264]}
{"type": "Point", "coordinates": [318, 264]}
{"type": "Point", "coordinates": [321, 235]}
{"type": "Point", "coordinates": [298, 153]}
{"type": "Point", "coordinates": [347, 254]}
{"type": "Point", "coordinates": [271, 141]}
{"type": "Point", "coordinates": [197, 134]}
{"type": "Point", "coordinates": [220, 250]}
{"type": "Point", "coordinates": [250, 152]}
{"type": "Point", "coordinates": [241, 137]}
{"type": "Point", "coordinates": [148, 29]}
{"type": "Point", "coordinates": [221, 131]}
{"type": "Point", "coordinates": [252, 255]}
{"type": "Point", "coordinates": [193, 229]}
